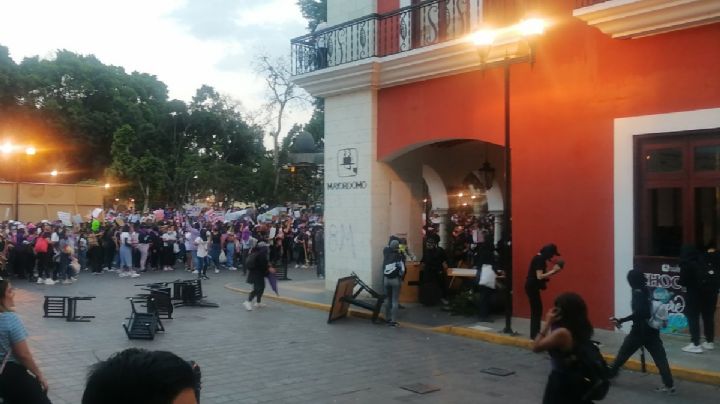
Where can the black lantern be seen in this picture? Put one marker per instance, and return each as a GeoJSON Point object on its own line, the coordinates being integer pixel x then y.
{"type": "Point", "coordinates": [482, 178]}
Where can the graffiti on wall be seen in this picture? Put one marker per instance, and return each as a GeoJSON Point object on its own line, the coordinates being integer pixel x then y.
{"type": "Point", "coordinates": [341, 239]}
{"type": "Point", "coordinates": [662, 277]}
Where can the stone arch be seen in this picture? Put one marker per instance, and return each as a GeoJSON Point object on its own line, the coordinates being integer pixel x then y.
{"type": "Point", "coordinates": [436, 188]}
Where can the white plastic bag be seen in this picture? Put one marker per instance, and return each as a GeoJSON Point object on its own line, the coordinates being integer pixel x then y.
{"type": "Point", "coordinates": [223, 257]}
{"type": "Point", "coordinates": [487, 276]}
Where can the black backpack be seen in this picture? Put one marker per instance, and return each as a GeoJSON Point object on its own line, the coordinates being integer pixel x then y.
{"type": "Point", "coordinates": [592, 370]}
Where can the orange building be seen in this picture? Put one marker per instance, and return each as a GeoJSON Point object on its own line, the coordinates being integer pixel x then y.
{"type": "Point", "coordinates": [614, 128]}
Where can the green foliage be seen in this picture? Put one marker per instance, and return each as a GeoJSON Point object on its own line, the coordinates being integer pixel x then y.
{"type": "Point", "coordinates": [94, 120]}
{"type": "Point", "coordinates": [315, 11]}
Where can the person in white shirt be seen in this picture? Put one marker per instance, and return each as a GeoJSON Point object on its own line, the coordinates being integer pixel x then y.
{"type": "Point", "coordinates": [169, 239]}
{"type": "Point", "coordinates": [126, 267]}
{"type": "Point", "coordinates": [202, 254]}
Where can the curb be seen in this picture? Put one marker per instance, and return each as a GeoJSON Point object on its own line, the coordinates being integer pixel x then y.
{"type": "Point", "coordinates": [693, 375]}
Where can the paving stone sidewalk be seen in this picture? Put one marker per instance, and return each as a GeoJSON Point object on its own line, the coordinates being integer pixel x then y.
{"type": "Point", "coordinates": [288, 354]}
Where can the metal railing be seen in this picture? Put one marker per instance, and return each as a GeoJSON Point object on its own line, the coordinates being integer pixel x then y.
{"type": "Point", "coordinates": [427, 23]}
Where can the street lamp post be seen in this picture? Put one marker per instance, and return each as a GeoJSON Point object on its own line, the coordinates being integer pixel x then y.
{"type": "Point", "coordinates": [484, 41]}
{"type": "Point", "coordinates": [10, 149]}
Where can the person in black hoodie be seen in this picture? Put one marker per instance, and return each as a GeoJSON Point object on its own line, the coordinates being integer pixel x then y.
{"type": "Point", "coordinates": [641, 334]}
{"type": "Point", "coordinates": [696, 271]}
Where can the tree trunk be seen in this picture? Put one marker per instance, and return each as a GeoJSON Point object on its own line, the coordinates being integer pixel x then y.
{"type": "Point", "coordinates": [276, 149]}
{"type": "Point", "coordinates": [146, 203]}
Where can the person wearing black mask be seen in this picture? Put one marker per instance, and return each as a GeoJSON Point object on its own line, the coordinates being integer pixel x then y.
{"type": "Point", "coordinates": [536, 281]}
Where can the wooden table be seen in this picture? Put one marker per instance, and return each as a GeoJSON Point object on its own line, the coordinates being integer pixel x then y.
{"type": "Point", "coordinates": [410, 290]}
{"type": "Point", "coordinates": [454, 273]}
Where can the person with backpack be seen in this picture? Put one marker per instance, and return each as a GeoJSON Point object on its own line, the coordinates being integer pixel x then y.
{"type": "Point", "coordinates": [700, 275]}
{"type": "Point", "coordinates": [645, 332]}
{"type": "Point", "coordinates": [577, 366]}
{"type": "Point", "coordinates": [393, 271]}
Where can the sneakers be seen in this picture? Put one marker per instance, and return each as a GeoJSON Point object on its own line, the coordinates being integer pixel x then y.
{"type": "Point", "coordinates": [124, 274]}
{"type": "Point", "coordinates": [74, 278]}
{"type": "Point", "coordinates": [134, 274]}
{"type": "Point", "coordinates": [259, 305]}
{"type": "Point", "coordinates": [67, 282]}
{"type": "Point", "coordinates": [665, 390]}
{"type": "Point", "coordinates": [205, 277]}
{"type": "Point", "coordinates": [217, 271]}
{"type": "Point", "coordinates": [195, 272]}
{"type": "Point", "coordinates": [393, 324]}
{"type": "Point", "coordinates": [691, 348]}
{"type": "Point", "coordinates": [247, 305]}
{"type": "Point", "coordinates": [232, 269]}
{"type": "Point", "coordinates": [708, 345]}
{"type": "Point", "coordinates": [40, 281]}
{"type": "Point", "coordinates": [49, 281]}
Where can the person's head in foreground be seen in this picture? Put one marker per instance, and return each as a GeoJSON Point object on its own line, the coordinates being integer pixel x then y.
{"type": "Point", "coordinates": [139, 376]}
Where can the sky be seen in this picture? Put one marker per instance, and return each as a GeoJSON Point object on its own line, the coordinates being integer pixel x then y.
{"type": "Point", "coordinates": [185, 43]}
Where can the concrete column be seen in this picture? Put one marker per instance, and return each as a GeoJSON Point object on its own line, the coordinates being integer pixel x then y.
{"type": "Point", "coordinates": [443, 228]}
{"type": "Point", "coordinates": [357, 189]}
{"type": "Point", "coordinates": [498, 226]}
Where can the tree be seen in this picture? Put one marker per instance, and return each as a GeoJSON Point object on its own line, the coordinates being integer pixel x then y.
{"type": "Point", "coordinates": [282, 94]}
{"type": "Point", "coordinates": [315, 11]}
{"type": "Point", "coordinates": [134, 163]}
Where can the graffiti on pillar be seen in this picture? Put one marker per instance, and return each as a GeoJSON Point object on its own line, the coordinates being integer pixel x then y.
{"type": "Point", "coordinates": [340, 238]}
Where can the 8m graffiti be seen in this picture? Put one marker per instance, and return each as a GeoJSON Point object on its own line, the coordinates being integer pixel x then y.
{"type": "Point", "coordinates": [341, 239]}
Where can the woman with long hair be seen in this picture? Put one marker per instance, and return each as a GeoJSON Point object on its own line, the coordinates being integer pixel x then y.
{"type": "Point", "coordinates": [16, 384]}
{"type": "Point", "coordinates": [566, 327]}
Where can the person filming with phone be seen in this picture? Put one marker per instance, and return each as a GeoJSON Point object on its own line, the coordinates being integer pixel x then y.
{"type": "Point", "coordinates": [537, 279]}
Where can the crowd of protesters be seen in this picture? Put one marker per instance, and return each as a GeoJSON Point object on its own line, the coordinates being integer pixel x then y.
{"type": "Point", "coordinates": [130, 243]}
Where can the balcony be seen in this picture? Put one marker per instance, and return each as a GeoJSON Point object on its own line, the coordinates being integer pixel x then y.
{"type": "Point", "coordinates": [414, 43]}
{"type": "Point", "coordinates": [414, 27]}
{"type": "Point", "coordinates": [638, 18]}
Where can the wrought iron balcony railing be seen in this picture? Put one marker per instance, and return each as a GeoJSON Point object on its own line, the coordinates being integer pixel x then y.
{"type": "Point", "coordinates": [377, 35]}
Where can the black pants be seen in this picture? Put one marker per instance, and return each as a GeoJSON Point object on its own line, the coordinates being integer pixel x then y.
{"type": "Point", "coordinates": [109, 255]}
{"type": "Point", "coordinates": [701, 303]}
{"type": "Point", "coordinates": [258, 287]}
{"type": "Point", "coordinates": [642, 335]}
{"type": "Point", "coordinates": [17, 386]}
{"type": "Point", "coordinates": [536, 308]}
{"type": "Point", "coordinates": [484, 301]}
{"type": "Point", "coordinates": [43, 264]}
{"type": "Point", "coordinates": [95, 256]}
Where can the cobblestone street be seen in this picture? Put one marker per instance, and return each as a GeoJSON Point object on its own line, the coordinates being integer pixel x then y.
{"type": "Point", "coordinates": [286, 353]}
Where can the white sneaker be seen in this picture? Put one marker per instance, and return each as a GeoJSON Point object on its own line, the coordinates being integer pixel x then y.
{"type": "Point", "coordinates": [708, 345]}
{"type": "Point", "coordinates": [296, 265]}
{"type": "Point", "coordinates": [49, 281]}
{"type": "Point", "coordinates": [691, 348]}
{"type": "Point", "coordinates": [259, 305]}
{"type": "Point", "coordinates": [134, 274]}
{"type": "Point", "coordinates": [217, 271]}
{"type": "Point", "coordinates": [232, 269]}
{"type": "Point", "coordinates": [67, 282]}
{"type": "Point", "coordinates": [195, 271]}
{"type": "Point", "coordinates": [40, 281]}
{"type": "Point", "coordinates": [123, 274]}
{"type": "Point", "coordinates": [247, 305]}
{"type": "Point", "coordinates": [74, 278]}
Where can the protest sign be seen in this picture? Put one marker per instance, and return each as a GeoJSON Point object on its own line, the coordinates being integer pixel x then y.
{"type": "Point", "coordinates": [65, 218]}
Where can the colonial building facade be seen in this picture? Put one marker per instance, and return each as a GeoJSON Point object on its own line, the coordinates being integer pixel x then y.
{"type": "Point", "coordinates": [612, 113]}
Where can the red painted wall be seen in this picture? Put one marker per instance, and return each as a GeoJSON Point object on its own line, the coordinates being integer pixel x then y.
{"type": "Point", "coordinates": [385, 6]}
{"type": "Point", "coordinates": [562, 134]}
